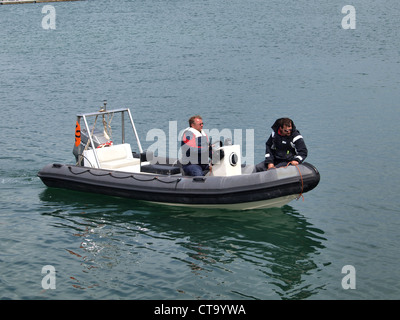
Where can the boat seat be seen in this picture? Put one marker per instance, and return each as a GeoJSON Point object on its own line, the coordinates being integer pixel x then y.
{"type": "Point", "coordinates": [113, 157]}
{"type": "Point", "coordinates": [160, 169]}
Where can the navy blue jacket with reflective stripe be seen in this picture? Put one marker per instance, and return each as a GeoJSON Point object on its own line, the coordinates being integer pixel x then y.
{"type": "Point", "coordinates": [285, 148]}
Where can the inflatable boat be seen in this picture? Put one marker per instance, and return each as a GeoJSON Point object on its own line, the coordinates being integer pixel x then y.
{"type": "Point", "coordinates": [104, 167]}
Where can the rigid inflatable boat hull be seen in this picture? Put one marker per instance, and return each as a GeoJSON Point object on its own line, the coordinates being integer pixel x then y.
{"type": "Point", "coordinates": [272, 188]}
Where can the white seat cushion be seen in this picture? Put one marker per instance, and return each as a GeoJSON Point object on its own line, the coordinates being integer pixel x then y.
{"type": "Point", "coordinates": [115, 164]}
{"type": "Point", "coordinates": [113, 157]}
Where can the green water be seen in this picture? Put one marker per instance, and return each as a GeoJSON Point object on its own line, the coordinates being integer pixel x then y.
{"type": "Point", "coordinates": [241, 65]}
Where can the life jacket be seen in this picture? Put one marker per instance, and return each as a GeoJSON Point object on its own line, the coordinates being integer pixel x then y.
{"type": "Point", "coordinates": [194, 146]}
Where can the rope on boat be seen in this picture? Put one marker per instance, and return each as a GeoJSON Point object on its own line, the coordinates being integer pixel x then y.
{"type": "Point", "coordinates": [123, 177]}
{"type": "Point", "coordinates": [301, 179]}
{"type": "Point", "coordinates": [107, 126]}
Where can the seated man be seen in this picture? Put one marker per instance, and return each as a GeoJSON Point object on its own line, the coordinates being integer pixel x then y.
{"type": "Point", "coordinates": [195, 148]}
{"type": "Point", "coordinates": [285, 145]}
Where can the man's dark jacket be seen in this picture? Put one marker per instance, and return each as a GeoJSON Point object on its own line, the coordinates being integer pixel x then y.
{"type": "Point", "coordinates": [285, 148]}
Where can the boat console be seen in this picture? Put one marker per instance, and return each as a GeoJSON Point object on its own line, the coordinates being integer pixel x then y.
{"type": "Point", "coordinates": [230, 164]}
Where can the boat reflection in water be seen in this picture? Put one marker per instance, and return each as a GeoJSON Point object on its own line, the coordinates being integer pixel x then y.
{"type": "Point", "coordinates": [161, 252]}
